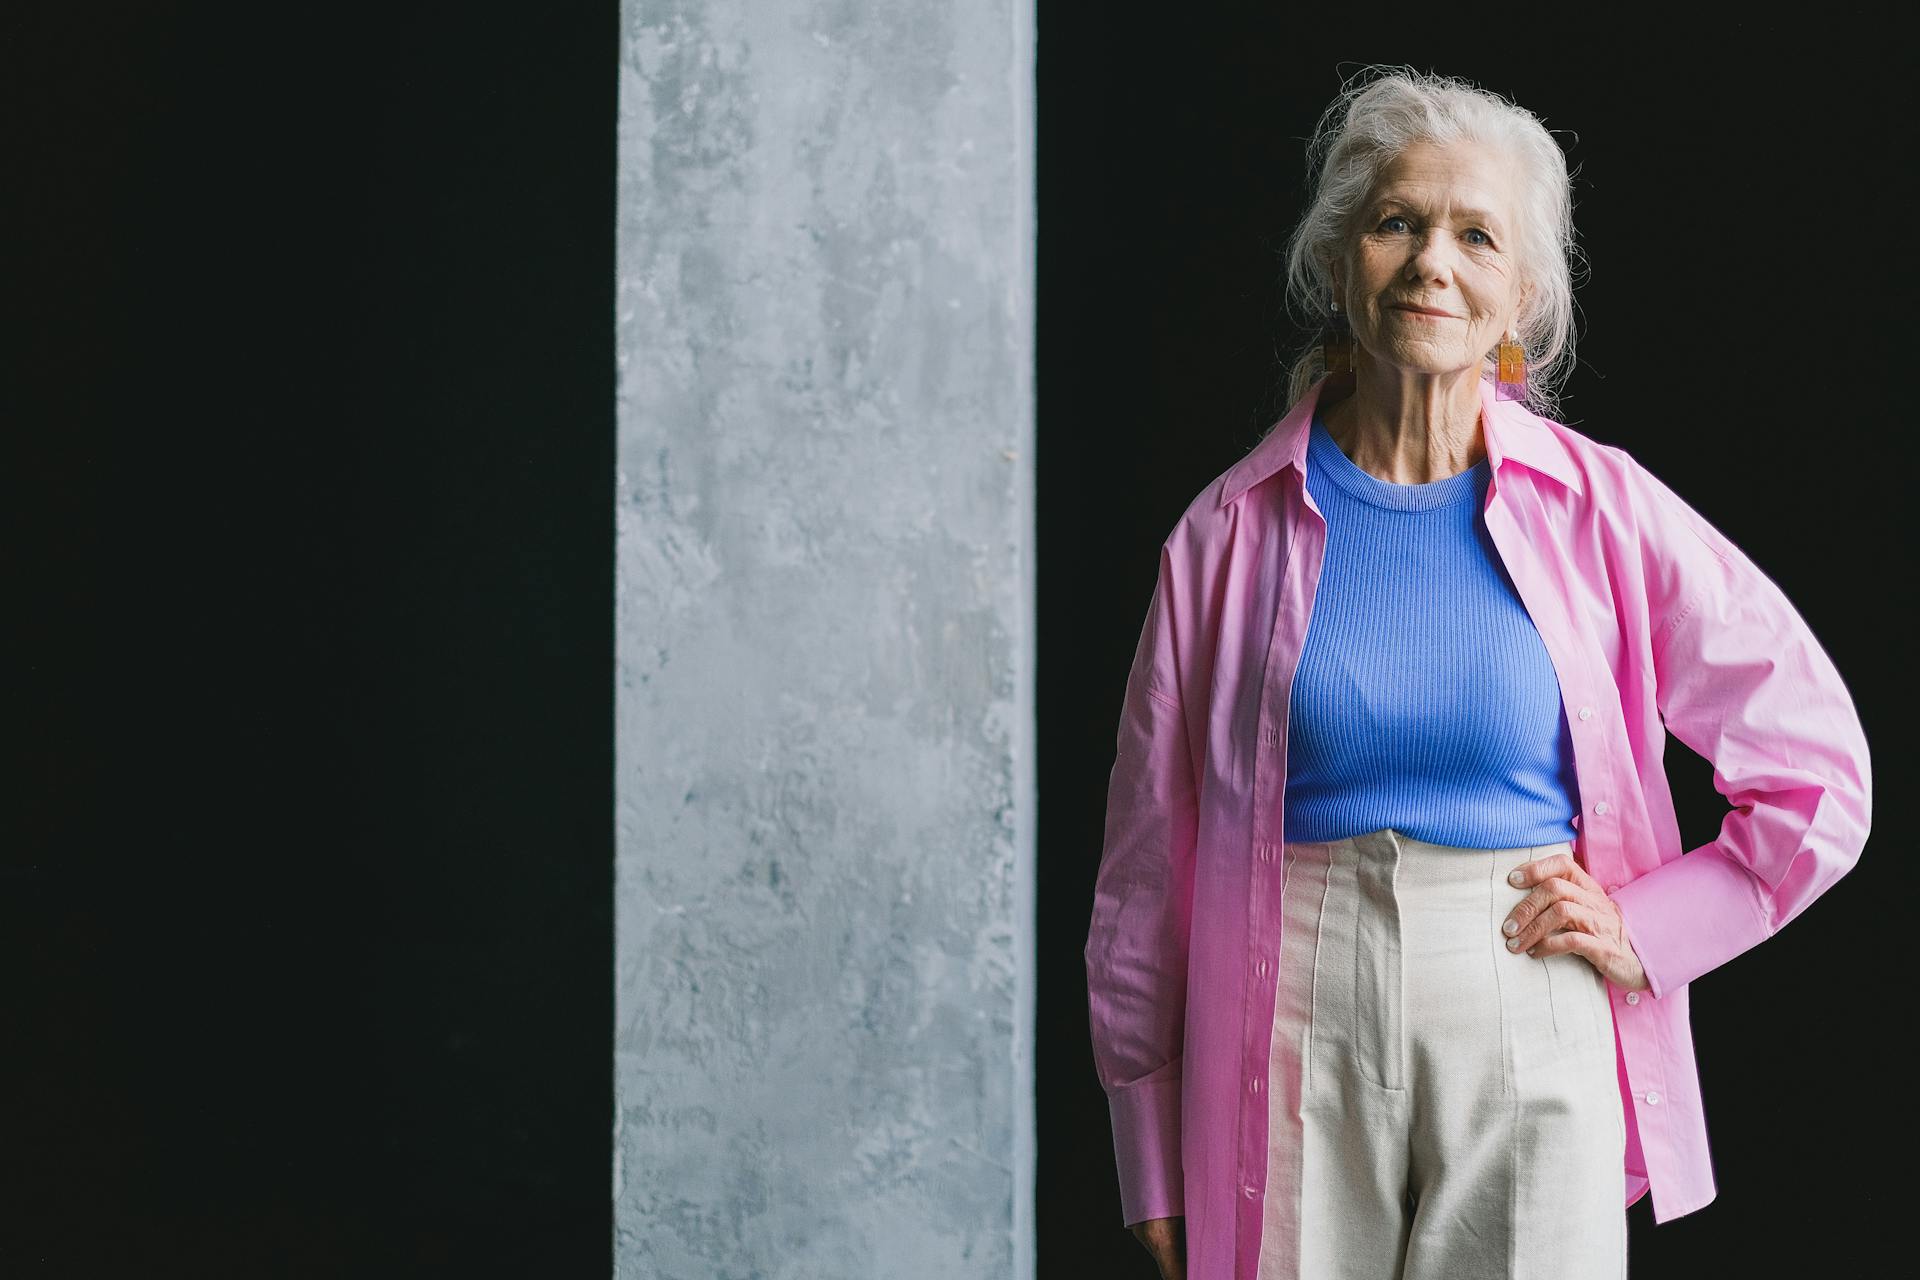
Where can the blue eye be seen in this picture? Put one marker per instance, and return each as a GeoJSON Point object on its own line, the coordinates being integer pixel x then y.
{"type": "Point", "coordinates": [1405, 224]}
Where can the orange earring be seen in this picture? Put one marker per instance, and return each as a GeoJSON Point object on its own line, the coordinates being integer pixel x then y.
{"type": "Point", "coordinates": [1510, 374]}
{"type": "Point", "coordinates": [1336, 348]}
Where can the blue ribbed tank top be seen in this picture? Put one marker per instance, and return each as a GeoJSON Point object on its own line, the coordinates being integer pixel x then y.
{"type": "Point", "coordinates": [1424, 700]}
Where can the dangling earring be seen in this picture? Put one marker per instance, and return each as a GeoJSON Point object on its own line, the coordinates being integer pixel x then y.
{"type": "Point", "coordinates": [1510, 373]}
{"type": "Point", "coordinates": [1336, 348]}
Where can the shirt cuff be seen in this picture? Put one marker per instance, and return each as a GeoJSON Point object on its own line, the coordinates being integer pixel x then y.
{"type": "Point", "coordinates": [1690, 915]}
{"type": "Point", "coordinates": [1146, 1148]}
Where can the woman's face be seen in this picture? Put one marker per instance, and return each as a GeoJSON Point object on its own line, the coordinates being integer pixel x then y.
{"type": "Point", "coordinates": [1435, 235]}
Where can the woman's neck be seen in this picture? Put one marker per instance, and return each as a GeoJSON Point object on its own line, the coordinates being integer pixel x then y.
{"type": "Point", "coordinates": [1409, 429]}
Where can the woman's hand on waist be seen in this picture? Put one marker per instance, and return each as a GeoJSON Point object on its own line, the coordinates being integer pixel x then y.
{"type": "Point", "coordinates": [1567, 910]}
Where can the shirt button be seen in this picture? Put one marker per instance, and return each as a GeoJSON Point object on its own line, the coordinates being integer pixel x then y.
{"type": "Point", "coordinates": [1603, 808]}
{"type": "Point", "coordinates": [1253, 1085]}
{"type": "Point", "coordinates": [1633, 997]}
{"type": "Point", "coordinates": [1251, 1191]}
{"type": "Point", "coordinates": [1586, 713]}
{"type": "Point", "coordinates": [1261, 968]}
{"type": "Point", "coordinates": [1652, 1098]}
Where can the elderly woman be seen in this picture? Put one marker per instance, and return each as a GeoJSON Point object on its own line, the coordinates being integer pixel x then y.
{"type": "Point", "coordinates": [1392, 932]}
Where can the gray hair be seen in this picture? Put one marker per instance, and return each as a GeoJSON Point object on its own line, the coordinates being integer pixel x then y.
{"type": "Point", "coordinates": [1381, 111]}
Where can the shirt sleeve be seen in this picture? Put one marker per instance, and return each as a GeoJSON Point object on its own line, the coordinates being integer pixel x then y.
{"type": "Point", "coordinates": [1742, 681]}
{"type": "Point", "coordinates": [1136, 953]}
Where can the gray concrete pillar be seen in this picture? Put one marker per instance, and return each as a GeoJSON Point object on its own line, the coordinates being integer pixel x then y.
{"type": "Point", "coordinates": [824, 877]}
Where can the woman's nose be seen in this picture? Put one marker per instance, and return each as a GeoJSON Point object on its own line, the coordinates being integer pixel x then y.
{"type": "Point", "coordinates": [1432, 258]}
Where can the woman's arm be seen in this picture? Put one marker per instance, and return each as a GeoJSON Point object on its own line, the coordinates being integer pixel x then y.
{"type": "Point", "coordinates": [1136, 949]}
{"type": "Point", "coordinates": [1741, 680]}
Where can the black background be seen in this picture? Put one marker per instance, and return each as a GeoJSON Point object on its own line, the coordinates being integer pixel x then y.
{"type": "Point", "coordinates": [305, 900]}
{"type": "Point", "coordinates": [308, 933]}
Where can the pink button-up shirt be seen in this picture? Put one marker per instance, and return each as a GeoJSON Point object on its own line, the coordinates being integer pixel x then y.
{"type": "Point", "coordinates": [1654, 622]}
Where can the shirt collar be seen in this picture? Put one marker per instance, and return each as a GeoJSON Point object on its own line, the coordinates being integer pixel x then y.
{"type": "Point", "coordinates": [1513, 434]}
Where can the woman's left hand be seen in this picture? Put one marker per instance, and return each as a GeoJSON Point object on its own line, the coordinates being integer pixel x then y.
{"type": "Point", "coordinates": [1569, 911]}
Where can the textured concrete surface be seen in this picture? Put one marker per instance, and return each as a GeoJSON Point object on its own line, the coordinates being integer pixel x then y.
{"type": "Point", "coordinates": [824, 871]}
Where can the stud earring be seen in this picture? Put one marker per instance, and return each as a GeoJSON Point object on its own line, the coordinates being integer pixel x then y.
{"type": "Point", "coordinates": [1336, 348]}
{"type": "Point", "coordinates": [1510, 373]}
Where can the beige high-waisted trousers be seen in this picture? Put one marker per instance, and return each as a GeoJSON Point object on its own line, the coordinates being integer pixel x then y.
{"type": "Point", "coordinates": [1441, 1108]}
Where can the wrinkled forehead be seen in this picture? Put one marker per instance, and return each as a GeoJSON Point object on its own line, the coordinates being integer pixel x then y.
{"type": "Point", "coordinates": [1459, 180]}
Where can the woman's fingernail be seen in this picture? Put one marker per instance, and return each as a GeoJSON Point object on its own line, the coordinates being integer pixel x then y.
{"type": "Point", "coordinates": [1511, 926]}
{"type": "Point", "coordinates": [1512, 943]}
{"type": "Point", "coordinates": [1515, 877]}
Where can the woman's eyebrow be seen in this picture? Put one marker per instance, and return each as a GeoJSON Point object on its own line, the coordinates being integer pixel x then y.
{"type": "Point", "coordinates": [1480, 216]}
